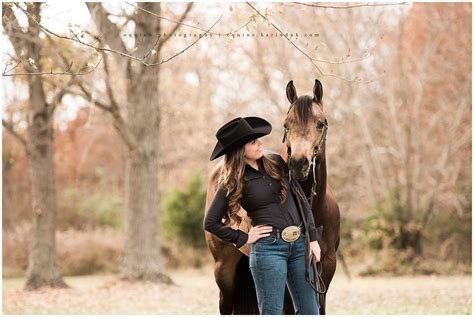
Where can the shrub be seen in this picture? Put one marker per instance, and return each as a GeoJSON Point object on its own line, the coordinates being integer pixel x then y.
{"type": "Point", "coordinates": [80, 209]}
{"type": "Point", "coordinates": [391, 227]}
{"type": "Point", "coordinates": [183, 212]}
{"type": "Point", "coordinates": [88, 252]}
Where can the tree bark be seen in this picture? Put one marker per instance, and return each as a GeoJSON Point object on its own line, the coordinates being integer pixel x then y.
{"type": "Point", "coordinates": [142, 246]}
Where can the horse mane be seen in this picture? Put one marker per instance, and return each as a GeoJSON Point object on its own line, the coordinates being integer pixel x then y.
{"type": "Point", "coordinates": [302, 110]}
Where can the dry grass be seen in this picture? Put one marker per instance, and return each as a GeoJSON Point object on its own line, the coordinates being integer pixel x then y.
{"type": "Point", "coordinates": [78, 252]}
{"type": "Point", "coordinates": [195, 292]}
{"type": "Point", "coordinates": [95, 251]}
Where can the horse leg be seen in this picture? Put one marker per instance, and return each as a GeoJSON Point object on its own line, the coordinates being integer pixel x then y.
{"type": "Point", "coordinates": [288, 308]}
{"type": "Point", "coordinates": [329, 268]}
{"type": "Point", "coordinates": [224, 273]}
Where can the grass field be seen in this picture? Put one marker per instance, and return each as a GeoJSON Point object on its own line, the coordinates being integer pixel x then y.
{"type": "Point", "coordinates": [195, 292]}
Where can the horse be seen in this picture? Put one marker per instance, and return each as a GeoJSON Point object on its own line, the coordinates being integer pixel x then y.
{"type": "Point", "coordinates": [303, 135]}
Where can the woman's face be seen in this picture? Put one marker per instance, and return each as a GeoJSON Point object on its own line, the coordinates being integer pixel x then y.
{"type": "Point", "coordinates": [253, 150]}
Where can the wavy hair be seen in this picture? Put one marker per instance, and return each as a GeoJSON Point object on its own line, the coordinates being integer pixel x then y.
{"type": "Point", "coordinates": [231, 177]}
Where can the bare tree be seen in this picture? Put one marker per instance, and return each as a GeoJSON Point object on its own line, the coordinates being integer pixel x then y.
{"type": "Point", "coordinates": [137, 120]}
{"type": "Point", "coordinates": [42, 269]}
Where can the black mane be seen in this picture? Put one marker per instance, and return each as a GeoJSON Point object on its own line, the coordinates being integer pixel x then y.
{"type": "Point", "coordinates": [302, 111]}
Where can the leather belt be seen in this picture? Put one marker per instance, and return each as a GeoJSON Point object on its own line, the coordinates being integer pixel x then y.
{"type": "Point", "coordinates": [288, 234]}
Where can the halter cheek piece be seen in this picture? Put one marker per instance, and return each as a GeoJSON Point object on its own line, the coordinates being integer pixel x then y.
{"type": "Point", "coordinates": [318, 266]}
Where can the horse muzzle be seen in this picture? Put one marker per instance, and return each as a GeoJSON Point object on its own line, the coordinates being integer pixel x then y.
{"type": "Point", "coordinates": [299, 168]}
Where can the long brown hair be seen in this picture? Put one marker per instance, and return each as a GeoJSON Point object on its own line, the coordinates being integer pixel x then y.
{"type": "Point", "coordinates": [231, 177]}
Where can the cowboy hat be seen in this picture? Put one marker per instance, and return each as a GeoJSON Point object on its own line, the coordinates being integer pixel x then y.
{"type": "Point", "coordinates": [237, 132]}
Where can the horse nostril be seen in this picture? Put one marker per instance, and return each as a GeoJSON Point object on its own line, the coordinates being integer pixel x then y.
{"type": "Point", "coordinates": [305, 164]}
{"type": "Point", "coordinates": [299, 165]}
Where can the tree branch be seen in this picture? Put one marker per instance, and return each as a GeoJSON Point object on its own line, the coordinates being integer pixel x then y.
{"type": "Point", "coordinates": [119, 123]}
{"type": "Point", "coordinates": [192, 26]}
{"type": "Point", "coordinates": [180, 22]}
{"type": "Point", "coordinates": [88, 96]}
{"type": "Point", "coordinates": [11, 129]}
{"type": "Point", "coordinates": [140, 60]}
{"type": "Point", "coordinates": [299, 49]}
{"type": "Point", "coordinates": [107, 29]}
{"type": "Point", "coordinates": [108, 86]}
{"type": "Point", "coordinates": [176, 27]}
{"type": "Point", "coordinates": [185, 49]}
{"type": "Point", "coordinates": [316, 5]}
{"type": "Point", "coordinates": [65, 72]}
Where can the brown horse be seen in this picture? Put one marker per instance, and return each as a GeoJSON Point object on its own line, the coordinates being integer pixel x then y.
{"type": "Point", "coordinates": [302, 134]}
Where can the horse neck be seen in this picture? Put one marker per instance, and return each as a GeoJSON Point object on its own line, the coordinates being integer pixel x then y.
{"type": "Point", "coordinates": [321, 177]}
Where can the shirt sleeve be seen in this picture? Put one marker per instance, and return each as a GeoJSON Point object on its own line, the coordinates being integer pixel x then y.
{"type": "Point", "coordinates": [213, 220]}
{"type": "Point", "coordinates": [313, 232]}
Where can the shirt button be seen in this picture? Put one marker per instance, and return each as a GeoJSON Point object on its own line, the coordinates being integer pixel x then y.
{"type": "Point", "coordinates": [270, 184]}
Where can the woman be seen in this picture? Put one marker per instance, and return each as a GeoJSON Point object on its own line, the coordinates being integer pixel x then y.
{"type": "Point", "coordinates": [259, 184]}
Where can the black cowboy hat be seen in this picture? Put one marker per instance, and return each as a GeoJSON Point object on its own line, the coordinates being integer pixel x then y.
{"type": "Point", "coordinates": [237, 132]}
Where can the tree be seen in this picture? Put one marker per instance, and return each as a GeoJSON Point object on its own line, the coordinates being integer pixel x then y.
{"type": "Point", "coordinates": [140, 131]}
{"type": "Point", "coordinates": [42, 269]}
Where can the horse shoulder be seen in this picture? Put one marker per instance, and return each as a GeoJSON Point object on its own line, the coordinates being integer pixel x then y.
{"type": "Point", "coordinates": [212, 184]}
{"type": "Point", "coordinates": [330, 200]}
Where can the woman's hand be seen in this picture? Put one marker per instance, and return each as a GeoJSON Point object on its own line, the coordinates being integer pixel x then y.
{"type": "Point", "coordinates": [258, 232]}
{"type": "Point", "coordinates": [315, 250]}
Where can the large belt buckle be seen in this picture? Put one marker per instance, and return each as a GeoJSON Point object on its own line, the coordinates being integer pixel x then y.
{"type": "Point", "coordinates": [291, 233]}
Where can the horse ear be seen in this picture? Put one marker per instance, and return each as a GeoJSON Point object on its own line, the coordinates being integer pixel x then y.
{"type": "Point", "coordinates": [318, 91]}
{"type": "Point", "coordinates": [291, 92]}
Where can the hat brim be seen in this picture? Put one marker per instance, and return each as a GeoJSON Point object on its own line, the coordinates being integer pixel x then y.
{"type": "Point", "coordinates": [260, 127]}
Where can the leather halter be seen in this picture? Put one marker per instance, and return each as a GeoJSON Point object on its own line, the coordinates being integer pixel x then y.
{"type": "Point", "coordinates": [317, 266]}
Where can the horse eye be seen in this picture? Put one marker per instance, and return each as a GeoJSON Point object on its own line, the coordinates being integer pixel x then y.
{"type": "Point", "coordinates": [320, 125]}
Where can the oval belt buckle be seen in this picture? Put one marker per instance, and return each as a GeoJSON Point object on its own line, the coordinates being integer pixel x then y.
{"type": "Point", "coordinates": [291, 233]}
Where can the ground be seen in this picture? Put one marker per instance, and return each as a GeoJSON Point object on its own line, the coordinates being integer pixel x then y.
{"type": "Point", "coordinates": [195, 292]}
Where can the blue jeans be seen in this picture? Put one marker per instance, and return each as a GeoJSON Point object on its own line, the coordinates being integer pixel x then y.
{"type": "Point", "coordinates": [274, 263]}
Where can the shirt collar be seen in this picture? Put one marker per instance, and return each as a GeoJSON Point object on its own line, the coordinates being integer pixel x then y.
{"type": "Point", "coordinates": [249, 168]}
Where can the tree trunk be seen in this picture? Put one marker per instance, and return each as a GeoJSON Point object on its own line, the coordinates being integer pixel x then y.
{"type": "Point", "coordinates": [42, 270]}
{"type": "Point", "coordinates": [142, 244]}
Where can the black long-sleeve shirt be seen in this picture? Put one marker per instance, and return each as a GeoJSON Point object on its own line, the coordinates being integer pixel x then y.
{"type": "Point", "coordinates": [261, 201]}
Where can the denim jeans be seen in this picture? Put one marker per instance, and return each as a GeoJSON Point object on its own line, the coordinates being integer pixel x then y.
{"type": "Point", "coordinates": [274, 263]}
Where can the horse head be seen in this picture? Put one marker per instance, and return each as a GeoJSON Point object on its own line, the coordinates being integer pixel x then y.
{"type": "Point", "coordinates": [305, 131]}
